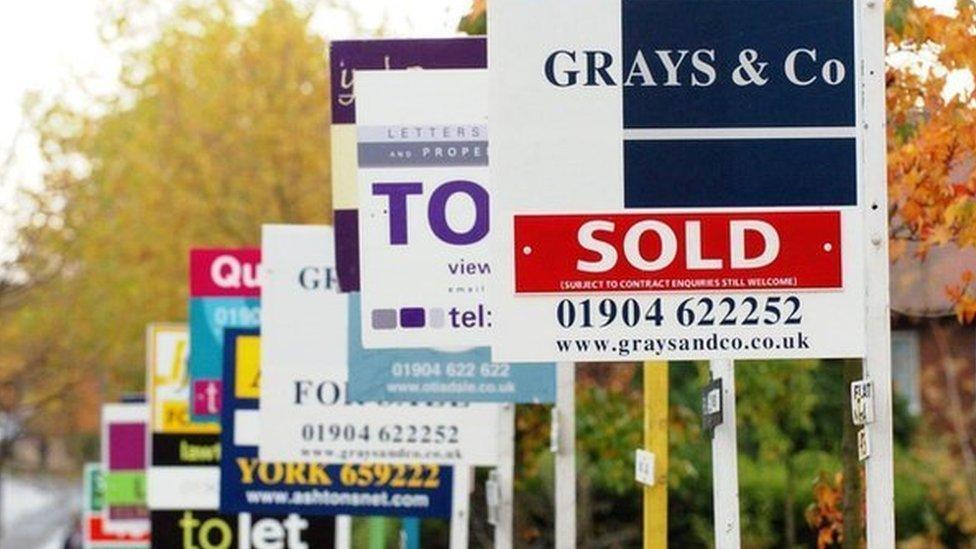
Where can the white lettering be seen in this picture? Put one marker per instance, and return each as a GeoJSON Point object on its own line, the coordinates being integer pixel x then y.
{"type": "Point", "coordinates": [640, 69]}
{"type": "Point", "coordinates": [669, 245]}
{"type": "Point", "coordinates": [789, 66]}
{"type": "Point", "coordinates": [608, 254]}
{"type": "Point", "coordinates": [703, 67]}
{"type": "Point", "coordinates": [693, 249]}
{"type": "Point", "coordinates": [671, 66]}
{"type": "Point", "coordinates": [225, 272]}
{"type": "Point", "coordinates": [737, 231]}
{"type": "Point", "coordinates": [268, 533]}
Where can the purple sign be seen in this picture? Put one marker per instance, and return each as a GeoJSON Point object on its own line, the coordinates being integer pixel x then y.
{"type": "Point", "coordinates": [127, 446]}
{"type": "Point", "coordinates": [348, 56]}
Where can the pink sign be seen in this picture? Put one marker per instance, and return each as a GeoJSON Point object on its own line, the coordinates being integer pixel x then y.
{"type": "Point", "coordinates": [206, 397]}
{"type": "Point", "coordinates": [216, 272]}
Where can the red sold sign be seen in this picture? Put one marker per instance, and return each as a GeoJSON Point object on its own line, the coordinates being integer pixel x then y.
{"type": "Point", "coordinates": [677, 252]}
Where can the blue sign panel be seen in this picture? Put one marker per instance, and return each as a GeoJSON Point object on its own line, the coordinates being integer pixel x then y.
{"type": "Point", "coordinates": [719, 100]}
{"type": "Point", "coordinates": [209, 316]}
{"type": "Point", "coordinates": [429, 375]}
{"type": "Point", "coordinates": [739, 173]}
{"type": "Point", "coordinates": [738, 63]}
{"type": "Point", "coordinates": [249, 485]}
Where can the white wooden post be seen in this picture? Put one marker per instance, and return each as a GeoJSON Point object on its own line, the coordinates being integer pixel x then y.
{"type": "Point", "coordinates": [879, 467]}
{"type": "Point", "coordinates": [343, 532]}
{"type": "Point", "coordinates": [725, 462]}
{"type": "Point", "coordinates": [565, 455]}
{"type": "Point", "coordinates": [460, 507]}
{"type": "Point", "coordinates": [504, 526]}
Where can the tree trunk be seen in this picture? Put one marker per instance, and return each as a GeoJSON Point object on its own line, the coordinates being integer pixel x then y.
{"type": "Point", "coordinates": [584, 512]}
{"type": "Point", "coordinates": [853, 489]}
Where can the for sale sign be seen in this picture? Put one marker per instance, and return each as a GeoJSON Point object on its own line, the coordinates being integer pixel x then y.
{"type": "Point", "coordinates": [675, 180]}
{"type": "Point", "coordinates": [124, 466]}
{"type": "Point", "coordinates": [305, 413]}
{"type": "Point", "coordinates": [94, 533]}
{"type": "Point", "coordinates": [251, 485]}
{"type": "Point", "coordinates": [183, 455]}
{"type": "Point", "coordinates": [346, 57]}
{"type": "Point", "coordinates": [225, 290]}
{"type": "Point", "coordinates": [424, 196]}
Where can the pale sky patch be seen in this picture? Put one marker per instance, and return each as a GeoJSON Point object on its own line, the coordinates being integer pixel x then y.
{"type": "Point", "coordinates": [52, 46]}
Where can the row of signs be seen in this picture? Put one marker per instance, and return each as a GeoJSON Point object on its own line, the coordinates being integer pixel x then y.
{"type": "Point", "coordinates": [671, 180]}
{"type": "Point", "coordinates": [674, 179]}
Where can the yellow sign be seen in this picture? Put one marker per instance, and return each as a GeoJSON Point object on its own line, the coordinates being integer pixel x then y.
{"type": "Point", "coordinates": [247, 373]}
{"type": "Point", "coordinates": [168, 383]}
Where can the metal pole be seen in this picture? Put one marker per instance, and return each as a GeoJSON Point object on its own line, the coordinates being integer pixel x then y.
{"type": "Point", "coordinates": [566, 455]}
{"type": "Point", "coordinates": [879, 468]}
{"type": "Point", "coordinates": [460, 506]}
{"type": "Point", "coordinates": [343, 532]}
{"type": "Point", "coordinates": [504, 527]}
{"type": "Point", "coordinates": [656, 441]}
{"type": "Point", "coordinates": [725, 462]}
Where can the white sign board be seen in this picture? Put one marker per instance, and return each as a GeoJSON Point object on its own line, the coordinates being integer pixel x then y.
{"type": "Point", "coordinates": [305, 415]}
{"type": "Point", "coordinates": [644, 467]}
{"type": "Point", "coordinates": [863, 445]}
{"type": "Point", "coordinates": [675, 183]}
{"type": "Point", "coordinates": [862, 402]}
{"type": "Point", "coordinates": [423, 200]}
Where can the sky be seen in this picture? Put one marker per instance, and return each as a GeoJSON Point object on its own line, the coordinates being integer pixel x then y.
{"type": "Point", "coordinates": [48, 53]}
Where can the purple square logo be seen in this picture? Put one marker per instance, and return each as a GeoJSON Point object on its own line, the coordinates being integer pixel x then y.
{"type": "Point", "coordinates": [412, 317]}
{"type": "Point", "coordinates": [206, 397]}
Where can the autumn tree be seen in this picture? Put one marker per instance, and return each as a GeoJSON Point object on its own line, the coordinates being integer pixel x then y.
{"type": "Point", "coordinates": [220, 123]}
{"type": "Point", "coordinates": [932, 133]}
{"type": "Point", "coordinates": [932, 191]}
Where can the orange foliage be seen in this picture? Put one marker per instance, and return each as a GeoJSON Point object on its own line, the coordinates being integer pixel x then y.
{"type": "Point", "coordinates": [825, 515]}
{"type": "Point", "coordinates": [932, 133]}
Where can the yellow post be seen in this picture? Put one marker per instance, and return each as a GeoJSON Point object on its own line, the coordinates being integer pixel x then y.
{"type": "Point", "coordinates": [656, 442]}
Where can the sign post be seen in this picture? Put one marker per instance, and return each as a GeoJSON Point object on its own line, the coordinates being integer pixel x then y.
{"type": "Point", "coordinates": [565, 455]}
{"type": "Point", "coordinates": [460, 507]}
{"type": "Point", "coordinates": [343, 532]}
{"type": "Point", "coordinates": [505, 478]}
{"type": "Point", "coordinates": [725, 461]}
{"type": "Point", "coordinates": [656, 441]}
{"type": "Point", "coordinates": [879, 467]}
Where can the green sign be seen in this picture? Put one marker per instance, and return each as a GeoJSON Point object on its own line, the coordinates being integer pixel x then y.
{"type": "Point", "coordinates": [125, 488]}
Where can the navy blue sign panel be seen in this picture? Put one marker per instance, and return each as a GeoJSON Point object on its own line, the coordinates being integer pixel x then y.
{"type": "Point", "coordinates": [248, 485]}
{"type": "Point", "coordinates": [740, 173]}
{"type": "Point", "coordinates": [738, 63]}
{"type": "Point", "coordinates": [761, 72]}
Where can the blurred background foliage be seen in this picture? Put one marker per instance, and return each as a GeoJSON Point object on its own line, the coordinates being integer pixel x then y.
{"type": "Point", "coordinates": [221, 123]}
